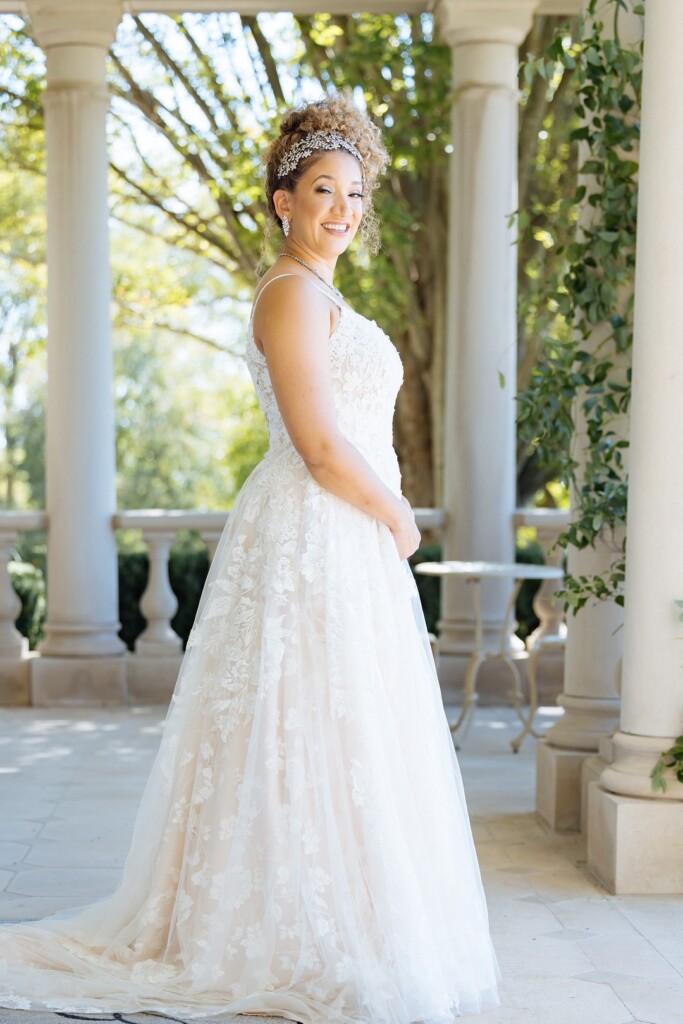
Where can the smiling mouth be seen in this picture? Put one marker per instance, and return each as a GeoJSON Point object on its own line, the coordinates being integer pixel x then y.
{"type": "Point", "coordinates": [337, 229]}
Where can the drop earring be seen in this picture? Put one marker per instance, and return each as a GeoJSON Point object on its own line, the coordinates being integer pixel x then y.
{"type": "Point", "coordinates": [285, 225]}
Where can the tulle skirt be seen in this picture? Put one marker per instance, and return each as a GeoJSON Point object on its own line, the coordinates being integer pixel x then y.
{"type": "Point", "coordinates": [302, 846]}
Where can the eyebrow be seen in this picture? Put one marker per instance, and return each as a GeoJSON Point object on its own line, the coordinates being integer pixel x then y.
{"type": "Point", "coordinates": [331, 178]}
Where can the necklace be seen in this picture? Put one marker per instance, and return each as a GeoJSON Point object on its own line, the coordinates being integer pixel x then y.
{"type": "Point", "coordinates": [314, 271]}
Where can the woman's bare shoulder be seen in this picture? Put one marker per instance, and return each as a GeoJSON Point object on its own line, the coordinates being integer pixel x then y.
{"type": "Point", "coordinates": [293, 296]}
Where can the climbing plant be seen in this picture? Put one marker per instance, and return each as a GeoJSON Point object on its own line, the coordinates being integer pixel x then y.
{"type": "Point", "coordinates": [583, 381]}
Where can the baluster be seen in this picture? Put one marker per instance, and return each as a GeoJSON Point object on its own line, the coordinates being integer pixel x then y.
{"type": "Point", "coordinates": [13, 646]}
{"type": "Point", "coordinates": [547, 608]}
{"type": "Point", "coordinates": [158, 603]}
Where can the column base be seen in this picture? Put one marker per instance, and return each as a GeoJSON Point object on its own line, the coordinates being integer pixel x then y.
{"type": "Point", "coordinates": [15, 680]}
{"type": "Point", "coordinates": [66, 640]}
{"type": "Point", "coordinates": [635, 846]}
{"type": "Point", "coordinates": [152, 680]}
{"type": "Point", "coordinates": [558, 786]}
{"type": "Point", "coordinates": [78, 682]}
{"type": "Point", "coordinates": [584, 722]}
{"type": "Point", "coordinates": [591, 770]}
{"type": "Point", "coordinates": [629, 772]}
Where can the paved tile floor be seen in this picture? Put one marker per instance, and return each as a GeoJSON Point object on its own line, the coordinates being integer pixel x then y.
{"type": "Point", "coordinates": [570, 953]}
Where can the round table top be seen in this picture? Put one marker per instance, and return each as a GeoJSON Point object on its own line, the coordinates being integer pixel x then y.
{"type": "Point", "coordinates": [507, 570]}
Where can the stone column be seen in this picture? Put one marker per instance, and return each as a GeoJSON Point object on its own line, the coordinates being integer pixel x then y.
{"type": "Point", "coordinates": [634, 835]}
{"type": "Point", "coordinates": [481, 362]}
{"type": "Point", "coordinates": [590, 700]}
{"type": "Point", "coordinates": [564, 765]}
{"type": "Point", "coordinates": [82, 656]}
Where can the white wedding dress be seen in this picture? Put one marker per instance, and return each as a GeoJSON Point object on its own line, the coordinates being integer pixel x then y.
{"type": "Point", "coordinates": [302, 847]}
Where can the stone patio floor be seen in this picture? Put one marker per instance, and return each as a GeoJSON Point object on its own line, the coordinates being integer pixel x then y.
{"type": "Point", "coordinates": [570, 953]}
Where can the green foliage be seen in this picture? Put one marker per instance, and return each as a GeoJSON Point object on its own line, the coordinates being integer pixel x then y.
{"type": "Point", "coordinates": [22, 239]}
{"type": "Point", "coordinates": [133, 574]}
{"type": "Point", "coordinates": [187, 569]}
{"type": "Point", "coordinates": [581, 382]}
{"type": "Point", "coordinates": [527, 621]}
{"type": "Point", "coordinates": [29, 584]}
{"type": "Point", "coordinates": [248, 439]}
{"type": "Point", "coordinates": [671, 759]}
{"type": "Point", "coordinates": [547, 178]}
{"type": "Point", "coordinates": [197, 97]}
{"type": "Point", "coordinates": [187, 572]}
{"type": "Point", "coordinates": [428, 587]}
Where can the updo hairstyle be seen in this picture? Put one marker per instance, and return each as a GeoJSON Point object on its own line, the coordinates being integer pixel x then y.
{"type": "Point", "coordinates": [338, 114]}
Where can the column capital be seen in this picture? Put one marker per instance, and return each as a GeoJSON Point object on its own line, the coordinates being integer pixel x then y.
{"type": "Point", "coordinates": [74, 22]}
{"type": "Point", "coordinates": [484, 21]}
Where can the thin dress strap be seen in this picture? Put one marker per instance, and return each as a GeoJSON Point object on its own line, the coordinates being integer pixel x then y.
{"type": "Point", "coordinates": [314, 283]}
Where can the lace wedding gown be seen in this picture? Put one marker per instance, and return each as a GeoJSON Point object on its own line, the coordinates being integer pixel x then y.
{"type": "Point", "coordinates": [302, 847]}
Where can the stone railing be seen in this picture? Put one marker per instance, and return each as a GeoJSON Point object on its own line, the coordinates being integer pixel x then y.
{"type": "Point", "coordinates": [158, 649]}
{"type": "Point", "coordinates": [158, 603]}
{"type": "Point", "coordinates": [159, 528]}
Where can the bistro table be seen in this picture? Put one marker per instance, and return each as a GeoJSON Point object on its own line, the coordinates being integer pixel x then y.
{"type": "Point", "coordinates": [473, 573]}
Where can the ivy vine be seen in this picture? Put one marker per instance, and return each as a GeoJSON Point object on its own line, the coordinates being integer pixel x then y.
{"type": "Point", "coordinates": [671, 759]}
{"type": "Point", "coordinates": [584, 374]}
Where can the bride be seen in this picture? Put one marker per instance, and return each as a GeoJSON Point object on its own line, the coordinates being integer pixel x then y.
{"type": "Point", "coordinates": [302, 848]}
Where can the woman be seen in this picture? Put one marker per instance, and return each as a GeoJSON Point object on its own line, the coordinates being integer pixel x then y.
{"type": "Point", "coordinates": [302, 847]}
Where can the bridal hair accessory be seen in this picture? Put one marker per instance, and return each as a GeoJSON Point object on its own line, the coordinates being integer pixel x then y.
{"type": "Point", "coordinates": [310, 144]}
{"type": "Point", "coordinates": [285, 224]}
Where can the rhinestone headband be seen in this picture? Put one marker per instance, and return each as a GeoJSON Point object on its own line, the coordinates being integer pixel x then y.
{"type": "Point", "coordinates": [310, 144]}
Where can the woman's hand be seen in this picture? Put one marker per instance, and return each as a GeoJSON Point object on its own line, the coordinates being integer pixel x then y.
{"type": "Point", "coordinates": [405, 531]}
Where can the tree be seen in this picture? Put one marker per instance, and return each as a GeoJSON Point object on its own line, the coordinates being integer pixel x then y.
{"type": "Point", "coordinates": [194, 100]}
{"type": "Point", "coordinates": [22, 266]}
{"type": "Point", "coordinates": [215, 124]}
{"type": "Point", "coordinates": [175, 411]}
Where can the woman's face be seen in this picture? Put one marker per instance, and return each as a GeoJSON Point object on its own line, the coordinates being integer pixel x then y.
{"type": "Point", "coordinates": [326, 206]}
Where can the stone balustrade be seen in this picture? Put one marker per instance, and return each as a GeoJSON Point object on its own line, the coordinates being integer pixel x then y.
{"type": "Point", "coordinates": [158, 603]}
{"type": "Point", "coordinates": [159, 528]}
{"type": "Point", "coordinates": [153, 666]}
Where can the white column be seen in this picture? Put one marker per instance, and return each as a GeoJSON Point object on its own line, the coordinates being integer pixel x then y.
{"type": "Point", "coordinates": [634, 835]}
{"type": "Point", "coordinates": [481, 362]}
{"type": "Point", "coordinates": [595, 637]}
{"type": "Point", "coordinates": [590, 698]}
{"type": "Point", "coordinates": [82, 614]}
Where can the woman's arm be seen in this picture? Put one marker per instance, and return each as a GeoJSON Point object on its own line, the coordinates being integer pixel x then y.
{"type": "Point", "coordinates": [293, 325]}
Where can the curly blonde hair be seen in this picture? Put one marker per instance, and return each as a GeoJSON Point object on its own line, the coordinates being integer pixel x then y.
{"type": "Point", "coordinates": [339, 114]}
